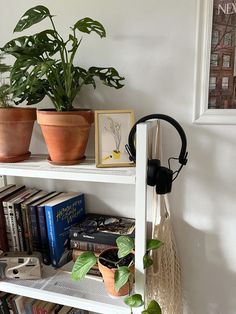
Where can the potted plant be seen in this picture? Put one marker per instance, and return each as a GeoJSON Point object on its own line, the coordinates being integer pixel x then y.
{"type": "Point", "coordinates": [16, 124]}
{"type": "Point", "coordinates": [117, 267]}
{"type": "Point", "coordinates": [45, 66]}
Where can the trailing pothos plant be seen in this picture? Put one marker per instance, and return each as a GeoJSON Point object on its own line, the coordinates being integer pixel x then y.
{"type": "Point", "coordinates": [45, 62]}
{"type": "Point", "coordinates": [5, 90]}
{"type": "Point", "coordinates": [123, 273]}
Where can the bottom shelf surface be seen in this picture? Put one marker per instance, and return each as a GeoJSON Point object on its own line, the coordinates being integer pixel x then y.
{"type": "Point", "coordinates": [56, 286]}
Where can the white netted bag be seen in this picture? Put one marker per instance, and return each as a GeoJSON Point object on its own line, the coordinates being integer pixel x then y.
{"type": "Point", "coordinates": [164, 277]}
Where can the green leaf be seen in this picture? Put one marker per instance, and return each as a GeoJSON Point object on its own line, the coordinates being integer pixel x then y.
{"type": "Point", "coordinates": [31, 17]}
{"type": "Point", "coordinates": [154, 244]}
{"type": "Point", "coordinates": [125, 245]}
{"type": "Point", "coordinates": [109, 76]}
{"type": "Point", "coordinates": [153, 308]}
{"type": "Point", "coordinates": [147, 261]}
{"type": "Point", "coordinates": [34, 46]}
{"type": "Point", "coordinates": [121, 277]}
{"type": "Point", "coordinates": [83, 264]}
{"type": "Point", "coordinates": [88, 25]}
{"type": "Point", "coordinates": [134, 300]}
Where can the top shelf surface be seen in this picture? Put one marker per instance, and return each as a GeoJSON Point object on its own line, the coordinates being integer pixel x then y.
{"type": "Point", "coordinates": [38, 167]}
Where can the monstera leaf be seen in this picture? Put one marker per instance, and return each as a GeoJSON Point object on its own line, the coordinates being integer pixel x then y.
{"type": "Point", "coordinates": [31, 17]}
{"type": "Point", "coordinates": [109, 76]}
{"type": "Point", "coordinates": [88, 25]}
{"type": "Point", "coordinates": [34, 46]}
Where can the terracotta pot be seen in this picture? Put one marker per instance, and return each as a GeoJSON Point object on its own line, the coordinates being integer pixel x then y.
{"type": "Point", "coordinates": [108, 275]}
{"type": "Point", "coordinates": [16, 126]}
{"type": "Point", "coordinates": [66, 134]}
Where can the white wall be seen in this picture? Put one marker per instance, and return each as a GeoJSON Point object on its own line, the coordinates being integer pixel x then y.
{"type": "Point", "coordinates": [152, 45]}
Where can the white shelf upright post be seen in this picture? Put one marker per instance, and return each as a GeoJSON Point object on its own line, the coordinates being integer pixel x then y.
{"type": "Point", "coordinates": [140, 205]}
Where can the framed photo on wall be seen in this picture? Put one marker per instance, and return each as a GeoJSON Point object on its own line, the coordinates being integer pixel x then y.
{"type": "Point", "coordinates": [112, 129]}
{"type": "Point", "coordinates": [215, 81]}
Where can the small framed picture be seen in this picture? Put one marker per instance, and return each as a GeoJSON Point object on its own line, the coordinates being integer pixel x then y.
{"type": "Point", "coordinates": [112, 129]}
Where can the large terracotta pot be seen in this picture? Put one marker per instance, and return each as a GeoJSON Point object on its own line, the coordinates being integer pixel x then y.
{"type": "Point", "coordinates": [16, 126]}
{"type": "Point", "coordinates": [108, 275]}
{"type": "Point", "coordinates": [66, 134]}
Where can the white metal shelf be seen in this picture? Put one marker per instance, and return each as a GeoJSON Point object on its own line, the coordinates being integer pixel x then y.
{"type": "Point", "coordinates": [38, 167]}
{"type": "Point", "coordinates": [57, 286]}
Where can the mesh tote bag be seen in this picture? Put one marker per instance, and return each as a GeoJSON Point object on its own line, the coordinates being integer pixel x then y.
{"type": "Point", "coordinates": [164, 278]}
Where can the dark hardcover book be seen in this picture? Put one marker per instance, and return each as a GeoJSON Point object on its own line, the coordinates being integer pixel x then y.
{"type": "Point", "coordinates": [11, 205]}
{"type": "Point", "coordinates": [5, 197]}
{"type": "Point", "coordinates": [38, 210]}
{"type": "Point", "coordinates": [89, 246]}
{"type": "Point", "coordinates": [30, 222]}
{"type": "Point", "coordinates": [104, 229]}
{"type": "Point", "coordinates": [3, 303]}
{"type": "Point", "coordinates": [19, 217]}
{"type": "Point", "coordinates": [21, 213]}
{"type": "Point", "coordinates": [62, 213]}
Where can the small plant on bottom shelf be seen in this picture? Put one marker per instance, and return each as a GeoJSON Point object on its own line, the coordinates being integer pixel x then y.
{"type": "Point", "coordinates": [120, 264]}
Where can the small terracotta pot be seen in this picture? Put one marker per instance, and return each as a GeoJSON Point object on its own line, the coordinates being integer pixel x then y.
{"type": "Point", "coordinates": [108, 275]}
{"type": "Point", "coordinates": [66, 134]}
{"type": "Point", "coordinates": [16, 126]}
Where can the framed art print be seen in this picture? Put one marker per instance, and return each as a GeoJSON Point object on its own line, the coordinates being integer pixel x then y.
{"type": "Point", "coordinates": [215, 83]}
{"type": "Point", "coordinates": [112, 129]}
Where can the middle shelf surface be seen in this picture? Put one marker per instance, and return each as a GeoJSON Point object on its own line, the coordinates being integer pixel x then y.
{"type": "Point", "coordinates": [56, 286]}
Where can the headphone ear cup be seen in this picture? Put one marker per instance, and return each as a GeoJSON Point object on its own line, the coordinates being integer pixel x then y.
{"type": "Point", "coordinates": [152, 169]}
{"type": "Point", "coordinates": [164, 178]}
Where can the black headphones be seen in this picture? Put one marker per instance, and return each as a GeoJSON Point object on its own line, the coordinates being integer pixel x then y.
{"type": "Point", "coordinates": [157, 175]}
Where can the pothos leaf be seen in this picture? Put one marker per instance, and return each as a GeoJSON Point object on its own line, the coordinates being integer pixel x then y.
{"type": "Point", "coordinates": [147, 261]}
{"type": "Point", "coordinates": [83, 264]}
{"type": "Point", "coordinates": [154, 244]}
{"type": "Point", "coordinates": [121, 277]}
{"type": "Point", "coordinates": [31, 17]}
{"type": "Point", "coordinates": [153, 308]}
{"type": "Point", "coordinates": [134, 300]}
{"type": "Point", "coordinates": [125, 245]}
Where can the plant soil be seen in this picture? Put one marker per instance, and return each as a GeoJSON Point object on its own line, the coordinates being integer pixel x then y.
{"type": "Point", "coordinates": [111, 256]}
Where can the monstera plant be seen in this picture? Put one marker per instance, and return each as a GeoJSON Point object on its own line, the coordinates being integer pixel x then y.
{"type": "Point", "coordinates": [16, 124]}
{"type": "Point", "coordinates": [45, 66]}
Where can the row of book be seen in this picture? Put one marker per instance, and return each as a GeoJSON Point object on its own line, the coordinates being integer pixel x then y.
{"type": "Point", "coordinates": [36, 220]}
{"type": "Point", "coordinates": [15, 304]}
{"type": "Point", "coordinates": [96, 233]}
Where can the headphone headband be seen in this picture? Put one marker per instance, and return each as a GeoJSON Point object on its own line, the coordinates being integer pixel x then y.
{"type": "Point", "coordinates": [183, 154]}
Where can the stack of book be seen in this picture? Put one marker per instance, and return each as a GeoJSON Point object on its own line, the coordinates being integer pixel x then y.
{"type": "Point", "coordinates": [35, 220]}
{"type": "Point", "coordinates": [15, 304]}
{"type": "Point", "coordinates": [97, 233]}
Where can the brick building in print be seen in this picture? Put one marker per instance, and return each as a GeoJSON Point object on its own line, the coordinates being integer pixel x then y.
{"type": "Point", "coordinates": [222, 81]}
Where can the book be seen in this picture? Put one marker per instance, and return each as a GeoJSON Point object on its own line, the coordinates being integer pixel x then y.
{"type": "Point", "coordinates": [28, 305]}
{"type": "Point", "coordinates": [20, 304]}
{"type": "Point", "coordinates": [4, 194]}
{"type": "Point", "coordinates": [89, 246]}
{"type": "Point", "coordinates": [20, 209]}
{"type": "Point", "coordinates": [65, 309]}
{"type": "Point", "coordinates": [104, 229]}
{"type": "Point", "coordinates": [48, 308]}
{"type": "Point", "coordinates": [35, 306]}
{"type": "Point", "coordinates": [30, 222]}
{"type": "Point", "coordinates": [11, 205]}
{"type": "Point", "coordinates": [16, 192]}
{"type": "Point", "coordinates": [3, 303]}
{"type": "Point", "coordinates": [61, 213]}
{"type": "Point", "coordinates": [38, 208]}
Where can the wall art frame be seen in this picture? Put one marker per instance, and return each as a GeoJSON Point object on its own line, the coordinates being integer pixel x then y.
{"type": "Point", "coordinates": [211, 89]}
{"type": "Point", "coordinates": [112, 129]}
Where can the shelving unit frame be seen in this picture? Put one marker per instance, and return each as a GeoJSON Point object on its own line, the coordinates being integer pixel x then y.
{"type": "Point", "coordinates": [99, 302]}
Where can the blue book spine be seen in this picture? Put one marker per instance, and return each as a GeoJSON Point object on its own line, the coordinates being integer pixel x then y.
{"type": "Point", "coordinates": [59, 219]}
{"type": "Point", "coordinates": [43, 235]}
